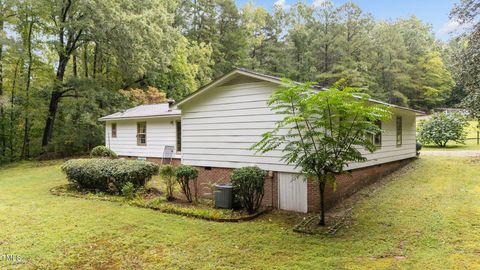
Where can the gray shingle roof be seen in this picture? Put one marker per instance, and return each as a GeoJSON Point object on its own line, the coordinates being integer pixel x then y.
{"type": "Point", "coordinates": [143, 111]}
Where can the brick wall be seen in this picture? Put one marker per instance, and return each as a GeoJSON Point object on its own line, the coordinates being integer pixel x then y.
{"type": "Point", "coordinates": [175, 161]}
{"type": "Point", "coordinates": [208, 176]}
{"type": "Point", "coordinates": [348, 185]}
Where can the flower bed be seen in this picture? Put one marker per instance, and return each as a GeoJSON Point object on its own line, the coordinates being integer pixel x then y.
{"type": "Point", "coordinates": [151, 200]}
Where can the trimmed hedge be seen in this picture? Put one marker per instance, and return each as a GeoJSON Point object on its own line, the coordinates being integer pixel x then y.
{"type": "Point", "coordinates": [108, 175]}
{"type": "Point", "coordinates": [186, 174]}
{"type": "Point", "coordinates": [248, 187]}
{"type": "Point", "coordinates": [102, 151]}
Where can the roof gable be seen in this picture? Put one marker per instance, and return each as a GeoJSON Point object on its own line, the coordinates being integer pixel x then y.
{"type": "Point", "coordinates": [231, 76]}
{"type": "Point", "coordinates": [143, 111]}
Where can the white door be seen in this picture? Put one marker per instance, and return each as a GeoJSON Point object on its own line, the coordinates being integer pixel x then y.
{"type": "Point", "coordinates": [292, 192]}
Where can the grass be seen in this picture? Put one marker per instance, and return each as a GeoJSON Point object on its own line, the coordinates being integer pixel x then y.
{"type": "Point", "coordinates": [470, 143]}
{"type": "Point", "coordinates": [423, 220]}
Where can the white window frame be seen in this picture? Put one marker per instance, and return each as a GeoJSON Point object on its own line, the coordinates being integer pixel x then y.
{"type": "Point", "coordinates": [141, 134]}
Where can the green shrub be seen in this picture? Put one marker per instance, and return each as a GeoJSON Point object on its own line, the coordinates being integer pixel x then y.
{"type": "Point", "coordinates": [167, 172]}
{"type": "Point", "coordinates": [248, 187]}
{"type": "Point", "coordinates": [102, 151]}
{"type": "Point", "coordinates": [108, 175]}
{"type": "Point", "coordinates": [442, 128]}
{"type": "Point", "coordinates": [418, 147]}
{"type": "Point", "coordinates": [128, 190]}
{"type": "Point", "coordinates": [184, 175]}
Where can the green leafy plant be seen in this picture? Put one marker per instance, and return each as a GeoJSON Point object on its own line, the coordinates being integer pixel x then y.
{"type": "Point", "coordinates": [443, 128]}
{"type": "Point", "coordinates": [128, 190]}
{"type": "Point", "coordinates": [321, 132]}
{"type": "Point", "coordinates": [102, 151]}
{"type": "Point", "coordinates": [167, 172]}
{"type": "Point", "coordinates": [248, 187]}
{"type": "Point", "coordinates": [418, 147]}
{"type": "Point", "coordinates": [108, 175]}
{"type": "Point", "coordinates": [186, 174]}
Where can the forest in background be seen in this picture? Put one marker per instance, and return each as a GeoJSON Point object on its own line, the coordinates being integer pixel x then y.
{"type": "Point", "coordinates": [65, 63]}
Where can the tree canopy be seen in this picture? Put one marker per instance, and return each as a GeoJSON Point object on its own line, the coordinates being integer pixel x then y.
{"type": "Point", "coordinates": [65, 63]}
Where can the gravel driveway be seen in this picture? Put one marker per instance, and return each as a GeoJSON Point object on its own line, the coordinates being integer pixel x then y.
{"type": "Point", "coordinates": [459, 153]}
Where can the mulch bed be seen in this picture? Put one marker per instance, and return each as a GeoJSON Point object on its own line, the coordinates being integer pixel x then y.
{"type": "Point", "coordinates": [335, 221]}
{"type": "Point", "coordinates": [152, 193]}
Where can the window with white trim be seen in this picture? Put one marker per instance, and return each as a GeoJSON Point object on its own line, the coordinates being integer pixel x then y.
{"type": "Point", "coordinates": [114, 130]}
{"type": "Point", "coordinates": [376, 137]}
{"type": "Point", "coordinates": [142, 133]}
{"type": "Point", "coordinates": [179, 136]}
{"type": "Point", "coordinates": [399, 136]}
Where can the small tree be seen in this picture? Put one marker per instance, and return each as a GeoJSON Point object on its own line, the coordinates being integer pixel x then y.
{"type": "Point", "coordinates": [248, 185]}
{"type": "Point", "coordinates": [321, 130]}
{"type": "Point", "coordinates": [186, 174]}
{"type": "Point", "coordinates": [442, 128]}
{"type": "Point", "coordinates": [167, 172]}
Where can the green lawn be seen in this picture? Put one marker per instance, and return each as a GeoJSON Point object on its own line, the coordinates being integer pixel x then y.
{"type": "Point", "coordinates": [428, 218]}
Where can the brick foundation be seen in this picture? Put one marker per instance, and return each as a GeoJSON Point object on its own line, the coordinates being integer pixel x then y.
{"type": "Point", "coordinates": [346, 185]}
{"type": "Point", "coordinates": [175, 161]}
{"type": "Point", "coordinates": [208, 176]}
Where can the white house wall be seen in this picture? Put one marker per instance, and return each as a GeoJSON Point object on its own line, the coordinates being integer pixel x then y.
{"type": "Point", "coordinates": [389, 150]}
{"type": "Point", "coordinates": [219, 127]}
{"type": "Point", "coordinates": [160, 132]}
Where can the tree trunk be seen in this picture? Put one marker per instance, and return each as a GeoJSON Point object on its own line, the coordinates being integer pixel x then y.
{"type": "Point", "coordinates": [85, 59]}
{"type": "Point", "coordinates": [54, 100]}
{"type": "Point", "coordinates": [26, 131]}
{"type": "Point", "coordinates": [52, 112]}
{"type": "Point", "coordinates": [322, 203]}
{"type": "Point", "coordinates": [64, 53]}
{"type": "Point", "coordinates": [95, 57]}
{"type": "Point", "coordinates": [12, 113]}
{"type": "Point", "coordinates": [74, 68]}
{"type": "Point", "coordinates": [2, 112]}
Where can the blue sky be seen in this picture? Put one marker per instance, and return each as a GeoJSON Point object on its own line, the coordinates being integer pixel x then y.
{"type": "Point", "coordinates": [434, 12]}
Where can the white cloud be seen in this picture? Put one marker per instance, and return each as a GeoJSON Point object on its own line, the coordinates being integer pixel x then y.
{"type": "Point", "coordinates": [452, 27]}
{"type": "Point", "coordinates": [281, 4]}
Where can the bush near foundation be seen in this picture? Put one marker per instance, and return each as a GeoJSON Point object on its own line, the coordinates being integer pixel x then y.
{"type": "Point", "coordinates": [248, 187]}
{"type": "Point", "coordinates": [186, 174]}
{"type": "Point", "coordinates": [167, 172]}
{"type": "Point", "coordinates": [108, 175]}
{"type": "Point", "coordinates": [102, 151]}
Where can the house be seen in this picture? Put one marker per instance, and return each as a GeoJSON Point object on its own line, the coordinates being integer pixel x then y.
{"type": "Point", "coordinates": [221, 121]}
{"type": "Point", "coordinates": [146, 131]}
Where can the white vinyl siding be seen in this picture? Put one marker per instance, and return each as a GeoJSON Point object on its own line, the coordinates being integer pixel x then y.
{"type": "Point", "coordinates": [160, 132]}
{"type": "Point", "coordinates": [389, 150]}
{"type": "Point", "coordinates": [220, 126]}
